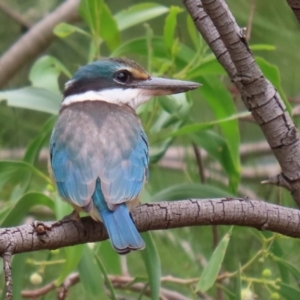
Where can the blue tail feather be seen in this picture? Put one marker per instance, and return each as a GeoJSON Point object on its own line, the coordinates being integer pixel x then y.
{"type": "Point", "coordinates": [121, 230]}
{"type": "Point", "coordinates": [118, 223]}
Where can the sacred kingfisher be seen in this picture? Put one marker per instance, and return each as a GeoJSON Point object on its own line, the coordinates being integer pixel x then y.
{"type": "Point", "coordinates": [98, 148]}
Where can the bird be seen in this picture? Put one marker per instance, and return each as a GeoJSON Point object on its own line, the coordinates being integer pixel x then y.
{"type": "Point", "coordinates": [99, 153]}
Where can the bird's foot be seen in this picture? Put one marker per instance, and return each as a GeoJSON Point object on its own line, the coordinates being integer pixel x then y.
{"type": "Point", "coordinates": [72, 217]}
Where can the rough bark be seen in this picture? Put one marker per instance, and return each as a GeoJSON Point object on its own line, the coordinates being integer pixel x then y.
{"type": "Point", "coordinates": [155, 216]}
{"type": "Point", "coordinates": [218, 27]}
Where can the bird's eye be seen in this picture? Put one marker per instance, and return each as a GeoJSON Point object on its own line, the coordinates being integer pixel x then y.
{"type": "Point", "coordinates": [122, 76]}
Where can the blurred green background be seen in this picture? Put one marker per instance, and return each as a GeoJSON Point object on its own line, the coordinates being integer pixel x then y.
{"type": "Point", "coordinates": [234, 154]}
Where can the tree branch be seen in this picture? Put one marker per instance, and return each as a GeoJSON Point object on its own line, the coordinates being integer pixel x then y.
{"type": "Point", "coordinates": [35, 41]}
{"type": "Point", "coordinates": [295, 6]}
{"type": "Point", "coordinates": [6, 256]}
{"type": "Point", "coordinates": [62, 291]}
{"type": "Point", "coordinates": [127, 283]}
{"type": "Point", "coordinates": [32, 294]}
{"type": "Point", "coordinates": [118, 282]}
{"type": "Point", "coordinates": [218, 27]}
{"type": "Point", "coordinates": [155, 216]}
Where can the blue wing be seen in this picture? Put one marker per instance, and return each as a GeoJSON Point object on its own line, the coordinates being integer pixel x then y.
{"type": "Point", "coordinates": [99, 140]}
{"type": "Point", "coordinates": [124, 181]}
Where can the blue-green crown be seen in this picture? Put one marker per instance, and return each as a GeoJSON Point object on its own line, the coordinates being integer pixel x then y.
{"type": "Point", "coordinates": [105, 68]}
{"type": "Point", "coordinates": [105, 74]}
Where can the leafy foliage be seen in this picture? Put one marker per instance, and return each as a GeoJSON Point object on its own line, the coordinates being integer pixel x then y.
{"type": "Point", "coordinates": [252, 263]}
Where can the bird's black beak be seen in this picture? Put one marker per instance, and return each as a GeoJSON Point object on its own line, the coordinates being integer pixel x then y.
{"type": "Point", "coordinates": [155, 86]}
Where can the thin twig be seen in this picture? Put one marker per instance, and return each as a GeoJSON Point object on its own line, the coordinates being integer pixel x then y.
{"type": "Point", "coordinates": [122, 282]}
{"type": "Point", "coordinates": [124, 266]}
{"type": "Point", "coordinates": [250, 20]}
{"type": "Point", "coordinates": [199, 163]}
{"type": "Point", "coordinates": [71, 280]}
{"type": "Point", "coordinates": [173, 153]}
{"type": "Point", "coordinates": [62, 291]}
{"type": "Point", "coordinates": [40, 291]}
{"type": "Point", "coordinates": [16, 16]}
{"type": "Point", "coordinates": [214, 228]}
{"type": "Point", "coordinates": [118, 282]}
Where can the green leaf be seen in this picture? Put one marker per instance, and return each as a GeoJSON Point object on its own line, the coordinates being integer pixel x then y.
{"type": "Point", "coordinates": [272, 73]}
{"type": "Point", "coordinates": [288, 267]}
{"type": "Point", "coordinates": [31, 155]}
{"type": "Point", "coordinates": [162, 145]}
{"type": "Point", "coordinates": [5, 210]}
{"type": "Point", "coordinates": [238, 287]}
{"type": "Point", "coordinates": [139, 46]}
{"type": "Point", "coordinates": [63, 30]}
{"type": "Point", "coordinates": [165, 120]}
{"type": "Point", "coordinates": [149, 38]}
{"type": "Point", "coordinates": [176, 105]}
{"type": "Point", "coordinates": [170, 26]}
{"type": "Point", "coordinates": [262, 47]}
{"type": "Point", "coordinates": [209, 66]}
{"type": "Point", "coordinates": [97, 14]}
{"type": "Point", "coordinates": [90, 11]}
{"type": "Point", "coordinates": [220, 100]}
{"type": "Point", "coordinates": [45, 72]}
{"type": "Point", "coordinates": [229, 294]}
{"type": "Point", "coordinates": [139, 13]}
{"type": "Point", "coordinates": [13, 170]}
{"type": "Point", "coordinates": [111, 36]}
{"type": "Point", "coordinates": [73, 256]}
{"type": "Point", "coordinates": [289, 292]}
{"type": "Point", "coordinates": [19, 265]}
{"type": "Point", "coordinates": [194, 128]}
{"type": "Point", "coordinates": [184, 53]}
{"type": "Point", "coordinates": [158, 152]}
{"type": "Point", "coordinates": [35, 146]}
{"type": "Point", "coordinates": [62, 208]}
{"type": "Point", "coordinates": [106, 279]}
{"type": "Point", "coordinates": [23, 206]}
{"type": "Point", "coordinates": [90, 275]}
{"type": "Point", "coordinates": [152, 263]}
{"type": "Point", "coordinates": [193, 32]}
{"type": "Point", "coordinates": [281, 263]}
{"type": "Point", "coordinates": [33, 98]}
{"type": "Point", "coordinates": [176, 109]}
{"type": "Point", "coordinates": [111, 259]}
{"type": "Point", "coordinates": [212, 269]}
{"type": "Point", "coordinates": [190, 191]}
{"type": "Point", "coordinates": [217, 147]}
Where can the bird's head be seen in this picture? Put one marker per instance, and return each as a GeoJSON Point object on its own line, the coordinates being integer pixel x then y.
{"type": "Point", "coordinates": [119, 81]}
